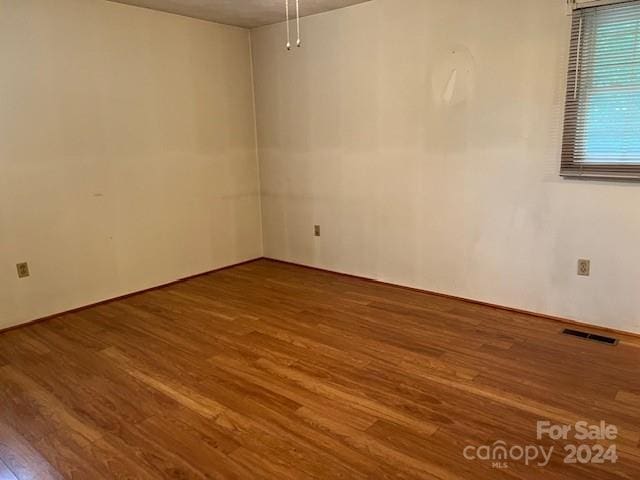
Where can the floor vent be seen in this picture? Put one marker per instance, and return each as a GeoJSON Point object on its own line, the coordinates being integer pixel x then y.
{"type": "Point", "coordinates": [591, 336]}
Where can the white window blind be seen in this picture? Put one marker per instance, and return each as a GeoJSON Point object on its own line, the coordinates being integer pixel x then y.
{"type": "Point", "coordinates": [602, 117]}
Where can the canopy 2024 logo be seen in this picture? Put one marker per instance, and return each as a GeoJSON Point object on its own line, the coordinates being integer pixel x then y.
{"type": "Point", "coordinates": [500, 453]}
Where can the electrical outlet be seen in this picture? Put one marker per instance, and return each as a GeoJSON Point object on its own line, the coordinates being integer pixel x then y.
{"type": "Point", "coordinates": [316, 230]}
{"type": "Point", "coordinates": [584, 267]}
{"type": "Point", "coordinates": [23, 270]}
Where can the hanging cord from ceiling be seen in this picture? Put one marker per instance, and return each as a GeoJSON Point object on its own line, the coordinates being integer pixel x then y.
{"type": "Point", "coordinates": [286, 6]}
{"type": "Point", "coordinates": [299, 42]}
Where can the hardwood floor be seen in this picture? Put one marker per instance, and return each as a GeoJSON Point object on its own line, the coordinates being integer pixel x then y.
{"type": "Point", "coordinates": [269, 370]}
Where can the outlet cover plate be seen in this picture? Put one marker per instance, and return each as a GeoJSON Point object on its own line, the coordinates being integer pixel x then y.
{"type": "Point", "coordinates": [23, 270]}
{"type": "Point", "coordinates": [584, 267]}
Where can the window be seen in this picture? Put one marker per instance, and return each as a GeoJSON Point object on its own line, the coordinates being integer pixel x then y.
{"type": "Point", "coordinates": [602, 117]}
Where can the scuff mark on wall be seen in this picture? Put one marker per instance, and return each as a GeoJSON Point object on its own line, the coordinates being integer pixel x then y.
{"type": "Point", "coordinates": [453, 77]}
{"type": "Point", "coordinates": [450, 89]}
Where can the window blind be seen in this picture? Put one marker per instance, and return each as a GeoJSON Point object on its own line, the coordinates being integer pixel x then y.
{"type": "Point", "coordinates": [602, 114]}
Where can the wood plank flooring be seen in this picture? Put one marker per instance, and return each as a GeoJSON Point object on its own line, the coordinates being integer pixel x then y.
{"type": "Point", "coordinates": [272, 371]}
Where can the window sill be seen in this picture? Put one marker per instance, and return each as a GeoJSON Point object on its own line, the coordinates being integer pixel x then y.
{"type": "Point", "coordinates": [632, 177]}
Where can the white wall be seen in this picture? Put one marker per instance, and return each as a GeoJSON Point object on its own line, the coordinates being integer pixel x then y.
{"type": "Point", "coordinates": [441, 185]}
{"type": "Point", "coordinates": [127, 152]}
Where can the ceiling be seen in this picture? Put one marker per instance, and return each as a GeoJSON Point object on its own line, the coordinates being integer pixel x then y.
{"type": "Point", "coordinates": [242, 13]}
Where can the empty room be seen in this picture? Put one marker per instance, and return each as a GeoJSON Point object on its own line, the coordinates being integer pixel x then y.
{"type": "Point", "coordinates": [320, 239]}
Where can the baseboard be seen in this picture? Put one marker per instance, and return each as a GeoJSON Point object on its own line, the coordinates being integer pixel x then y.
{"type": "Point", "coordinates": [564, 321]}
{"type": "Point", "coordinates": [127, 295]}
{"type": "Point", "coordinates": [561, 320]}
